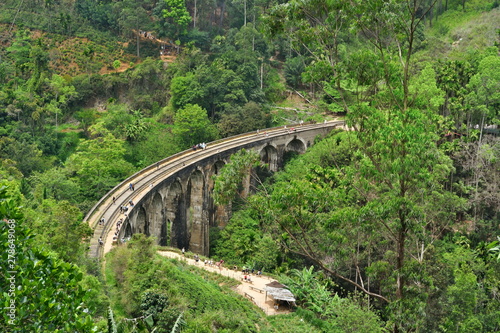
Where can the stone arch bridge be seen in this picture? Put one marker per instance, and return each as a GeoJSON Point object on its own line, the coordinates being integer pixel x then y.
{"type": "Point", "coordinates": [172, 198]}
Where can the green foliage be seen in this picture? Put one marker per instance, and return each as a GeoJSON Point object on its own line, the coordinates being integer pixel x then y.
{"type": "Point", "coordinates": [428, 95]}
{"type": "Point", "coordinates": [28, 156]}
{"type": "Point", "coordinates": [338, 314]}
{"type": "Point", "coordinates": [452, 77]}
{"type": "Point", "coordinates": [116, 64]}
{"type": "Point", "coordinates": [137, 128]}
{"type": "Point", "coordinates": [243, 243]}
{"type": "Point", "coordinates": [177, 12]}
{"type": "Point", "coordinates": [200, 297]}
{"type": "Point", "coordinates": [62, 94]}
{"type": "Point", "coordinates": [99, 163]}
{"type": "Point", "coordinates": [185, 90]}
{"type": "Point", "coordinates": [9, 173]}
{"type": "Point", "coordinates": [111, 322]}
{"type": "Point", "coordinates": [274, 89]}
{"type": "Point", "coordinates": [495, 250]}
{"type": "Point", "coordinates": [54, 184]}
{"type": "Point", "coordinates": [324, 205]}
{"type": "Point", "coordinates": [157, 143]}
{"type": "Point", "coordinates": [87, 118]}
{"type": "Point", "coordinates": [250, 117]}
{"type": "Point", "coordinates": [395, 166]}
{"type": "Point", "coordinates": [297, 322]}
{"type": "Point", "coordinates": [59, 226]}
{"type": "Point", "coordinates": [179, 323]}
{"type": "Point", "coordinates": [153, 303]}
{"type": "Point", "coordinates": [293, 71]}
{"type": "Point", "coordinates": [466, 303]}
{"type": "Point", "coordinates": [59, 303]}
{"type": "Point", "coordinates": [20, 52]}
{"type": "Point", "coordinates": [484, 97]}
{"type": "Point", "coordinates": [192, 126]}
{"type": "Point", "coordinates": [228, 181]}
{"type": "Point", "coordinates": [95, 295]}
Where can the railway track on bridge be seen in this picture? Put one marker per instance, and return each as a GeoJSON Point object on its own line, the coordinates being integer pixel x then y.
{"type": "Point", "coordinates": [145, 179]}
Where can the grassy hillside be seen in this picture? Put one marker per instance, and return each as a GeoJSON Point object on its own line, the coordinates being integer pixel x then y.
{"type": "Point", "coordinates": [72, 55]}
{"type": "Point", "coordinates": [455, 33]}
{"type": "Point", "coordinates": [205, 299]}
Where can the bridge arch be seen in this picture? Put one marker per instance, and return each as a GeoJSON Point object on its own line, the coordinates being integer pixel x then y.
{"type": "Point", "coordinates": [297, 145]}
{"type": "Point", "coordinates": [196, 223]}
{"type": "Point", "coordinates": [141, 223]}
{"type": "Point", "coordinates": [175, 206]}
{"type": "Point", "coordinates": [127, 229]}
{"type": "Point", "coordinates": [218, 216]}
{"type": "Point", "coordinates": [269, 155]}
{"type": "Point", "coordinates": [156, 217]}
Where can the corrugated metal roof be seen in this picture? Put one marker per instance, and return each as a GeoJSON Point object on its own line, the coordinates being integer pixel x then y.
{"type": "Point", "coordinates": [278, 291]}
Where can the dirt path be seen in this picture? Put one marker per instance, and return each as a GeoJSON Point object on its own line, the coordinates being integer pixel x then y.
{"type": "Point", "coordinates": [254, 291]}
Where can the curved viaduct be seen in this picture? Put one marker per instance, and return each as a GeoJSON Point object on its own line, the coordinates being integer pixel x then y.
{"type": "Point", "coordinates": [172, 198]}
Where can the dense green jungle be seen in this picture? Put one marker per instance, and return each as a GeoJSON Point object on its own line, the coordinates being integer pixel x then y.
{"type": "Point", "coordinates": [393, 226]}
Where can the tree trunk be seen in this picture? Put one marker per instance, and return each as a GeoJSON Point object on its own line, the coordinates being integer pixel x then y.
{"type": "Point", "coordinates": [253, 34]}
{"type": "Point", "coordinates": [476, 174]}
{"type": "Point", "coordinates": [430, 18]}
{"type": "Point", "coordinates": [400, 261]}
{"type": "Point", "coordinates": [195, 13]}
{"type": "Point", "coordinates": [137, 38]}
{"type": "Point", "coordinates": [137, 34]}
{"type": "Point", "coordinates": [245, 13]}
{"type": "Point", "coordinates": [222, 9]}
{"type": "Point", "coordinates": [261, 74]}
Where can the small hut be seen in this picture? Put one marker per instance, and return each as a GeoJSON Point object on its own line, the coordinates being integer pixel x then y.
{"type": "Point", "coordinates": [279, 293]}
